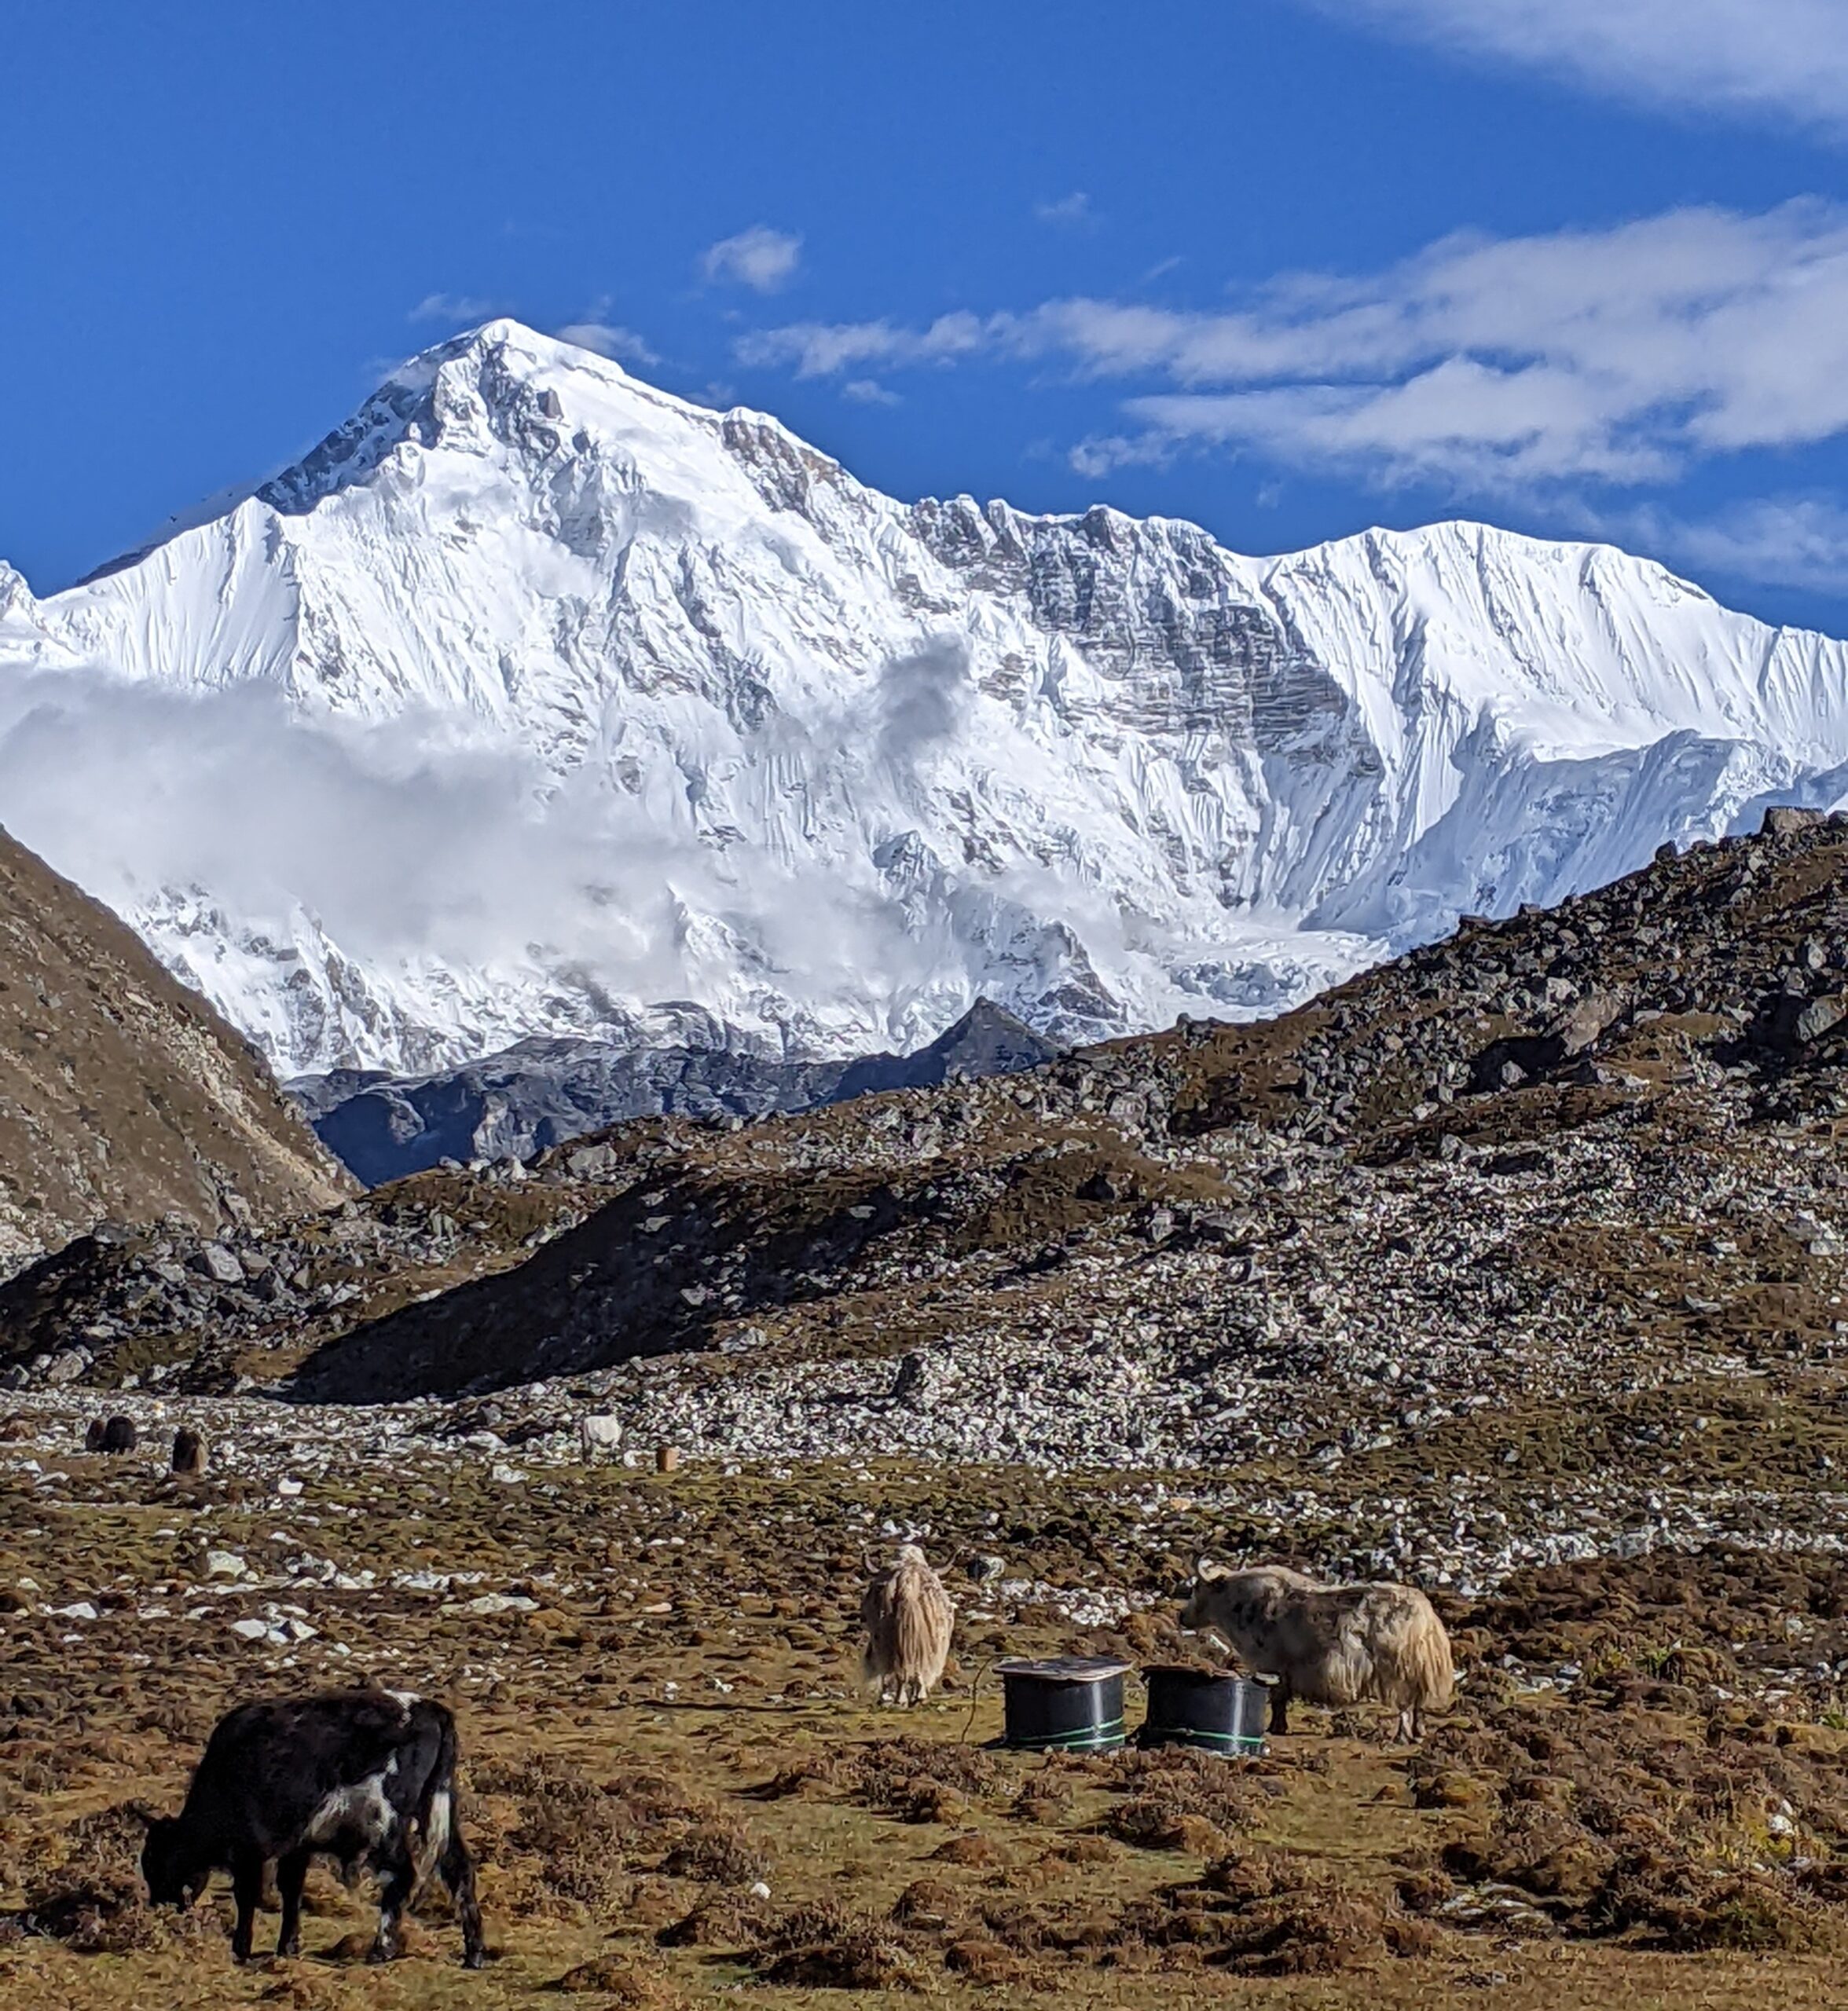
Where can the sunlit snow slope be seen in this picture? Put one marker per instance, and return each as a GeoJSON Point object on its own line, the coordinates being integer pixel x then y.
{"type": "Point", "coordinates": [538, 701]}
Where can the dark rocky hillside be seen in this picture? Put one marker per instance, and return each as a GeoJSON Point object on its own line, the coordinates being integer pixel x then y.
{"type": "Point", "coordinates": [1585, 1153]}
{"type": "Point", "coordinates": [1554, 1208]}
{"type": "Point", "coordinates": [122, 1093]}
{"type": "Point", "coordinates": [545, 1092]}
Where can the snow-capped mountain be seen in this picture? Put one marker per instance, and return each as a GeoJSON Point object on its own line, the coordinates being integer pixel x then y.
{"type": "Point", "coordinates": [536, 701]}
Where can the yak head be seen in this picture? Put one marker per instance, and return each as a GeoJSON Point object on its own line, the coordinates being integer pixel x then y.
{"type": "Point", "coordinates": [1198, 1611]}
{"type": "Point", "coordinates": [170, 1866]}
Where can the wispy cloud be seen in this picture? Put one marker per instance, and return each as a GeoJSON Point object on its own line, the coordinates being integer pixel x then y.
{"type": "Point", "coordinates": [1799, 541]}
{"type": "Point", "coordinates": [460, 310]}
{"type": "Point", "coordinates": [1788, 57]}
{"type": "Point", "coordinates": [608, 338]}
{"type": "Point", "coordinates": [1071, 209]}
{"type": "Point", "coordinates": [1613, 356]}
{"type": "Point", "coordinates": [869, 391]}
{"type": "Point", "coordinates": [759, 258]}
{"type": "Point", "coordinates": [502, 873]}
{"type": "Point", "coordinates": [823, 349]}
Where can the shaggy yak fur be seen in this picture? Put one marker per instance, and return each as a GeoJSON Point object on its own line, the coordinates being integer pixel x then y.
{"type": "Point", "coordinates": [189, 1451]}
{"type": "Point", "coordinates": [908, 1617]}
{"type": "Point", "coordinates": [367, 1776]}
{"type": "Point", "coordinates": [1329, 1644]}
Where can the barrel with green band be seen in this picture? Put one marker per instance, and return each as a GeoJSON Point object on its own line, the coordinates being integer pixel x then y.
{"type": "Point", "coordinates": [1210, 1709]}
{"type": "Point", "coordinates": [1068, 1704]}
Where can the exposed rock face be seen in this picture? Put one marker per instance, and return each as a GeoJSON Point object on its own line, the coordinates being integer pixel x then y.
{"type": "Point", "coordinates": [122, 1094]}
{"type": "Point", "coordinates": [542, 1092]}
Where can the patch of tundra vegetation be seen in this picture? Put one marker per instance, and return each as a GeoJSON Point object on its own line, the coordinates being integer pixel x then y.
{"type": "Point", "coordinates": [667, 1770]}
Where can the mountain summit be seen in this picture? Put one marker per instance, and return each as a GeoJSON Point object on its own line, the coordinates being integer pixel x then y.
{"type": "Point", "coordinates": [539, 702]}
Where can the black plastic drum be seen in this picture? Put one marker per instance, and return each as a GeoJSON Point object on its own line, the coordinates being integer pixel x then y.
{"type": "Point", "coordinates": [1070, 1704]}
{"type": "Point", "coordinates": [1214, 1710]}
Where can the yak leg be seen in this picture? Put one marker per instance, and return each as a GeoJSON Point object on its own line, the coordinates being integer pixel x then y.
{"type": "Point", "coordinates": [291, 1874]}
{"type": "Point", "coordinates": [400, 1876]}
{"type": "Point", "coordinates": [246, 1889]}
{"type": "Point", "coordinates": [457, 1869]}
{"type": "Point", "coordinates": [1280, 1703]}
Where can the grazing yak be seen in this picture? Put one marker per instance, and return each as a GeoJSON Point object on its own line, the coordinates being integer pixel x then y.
{"type": "Point", "coordinates": [908, 1618]}
{"type": "Point", "coordinates": [367, 1776]}
{"type": "Point", "coordinates": [189, 1451]}
{"type": "Point", "coordinates": [117, 1435]}
{"type": "Point", "coordinates": [598, 1434]}
{"type": "Point", "coordinates": [1329, 1644]}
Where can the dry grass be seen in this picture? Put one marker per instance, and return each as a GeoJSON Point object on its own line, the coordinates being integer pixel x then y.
{"type": "Point", "coordinates": [630, 1813]}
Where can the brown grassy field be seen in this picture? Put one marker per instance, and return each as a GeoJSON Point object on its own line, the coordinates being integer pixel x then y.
{"type": "Point", "coordinates": [676, 1795]}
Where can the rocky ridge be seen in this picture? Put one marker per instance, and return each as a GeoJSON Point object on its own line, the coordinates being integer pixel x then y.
{"type": "Point", "coordinates": [541, 1092]}
{"type": "Point", "coordinates": [1546, 1218]}
{"type": "Point", "coordinates": [123, 1096]}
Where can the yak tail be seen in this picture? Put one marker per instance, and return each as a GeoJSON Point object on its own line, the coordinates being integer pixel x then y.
{"type": "Point", "coordinates": [434, 1821]}
{"type": "Point", "coordinates": [1430, 1673]}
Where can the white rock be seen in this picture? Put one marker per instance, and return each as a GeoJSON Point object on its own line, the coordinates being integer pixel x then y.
{"type": "Point", "coordinates": [500, 1603]}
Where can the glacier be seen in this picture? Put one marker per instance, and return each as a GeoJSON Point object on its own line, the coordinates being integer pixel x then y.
{"type": "Point", "coordinates": [536, 702]}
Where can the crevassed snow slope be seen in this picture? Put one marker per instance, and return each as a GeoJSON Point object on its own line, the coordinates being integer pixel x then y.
{"type": "Point", "coordinates": [536, 701]}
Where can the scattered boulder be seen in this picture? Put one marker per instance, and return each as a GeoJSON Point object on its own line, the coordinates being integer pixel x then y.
{"type": "Point", "coordinates": [1784, 820]}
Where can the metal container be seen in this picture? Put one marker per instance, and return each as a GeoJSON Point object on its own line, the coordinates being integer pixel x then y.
{"type": "Point", "coordinates": [1211, 1710]}
{"type": "Point", "coordinates": [1068, 1704]}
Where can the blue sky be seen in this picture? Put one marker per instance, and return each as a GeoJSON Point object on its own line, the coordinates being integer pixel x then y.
{"type": "Point", "coordinates": [1285, 267]}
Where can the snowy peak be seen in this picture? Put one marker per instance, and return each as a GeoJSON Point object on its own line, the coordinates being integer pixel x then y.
{"type": "Point", "coordinates": [537, 702]}
{"type": "Point", "coordinates": [501, 386]}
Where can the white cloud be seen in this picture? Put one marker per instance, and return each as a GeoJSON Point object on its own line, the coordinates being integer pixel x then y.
{"type": "Point", "coordinates": [460, 310]}
{"type": "Point", "coordinates": [133, 787]}
{"type": "Point", "coordinates": [759, 258]}
{"type": "Point", "coordinates": [1459, 423]}
{"type": "Point", "coordinates": [1074, 208]}
{"type": "Point", "coordinates": [1614, 356]}
{"type": "Point", "coordinates": [823, 349]}
{"type": "Point", "coordinates": [607, 338]}
{"type": "Point", "coordinates": [1799, 541]}
{"type": "Point", "coordinates": [1787, 56]}
{"type": "Point", "coordinates": [869, 391]}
